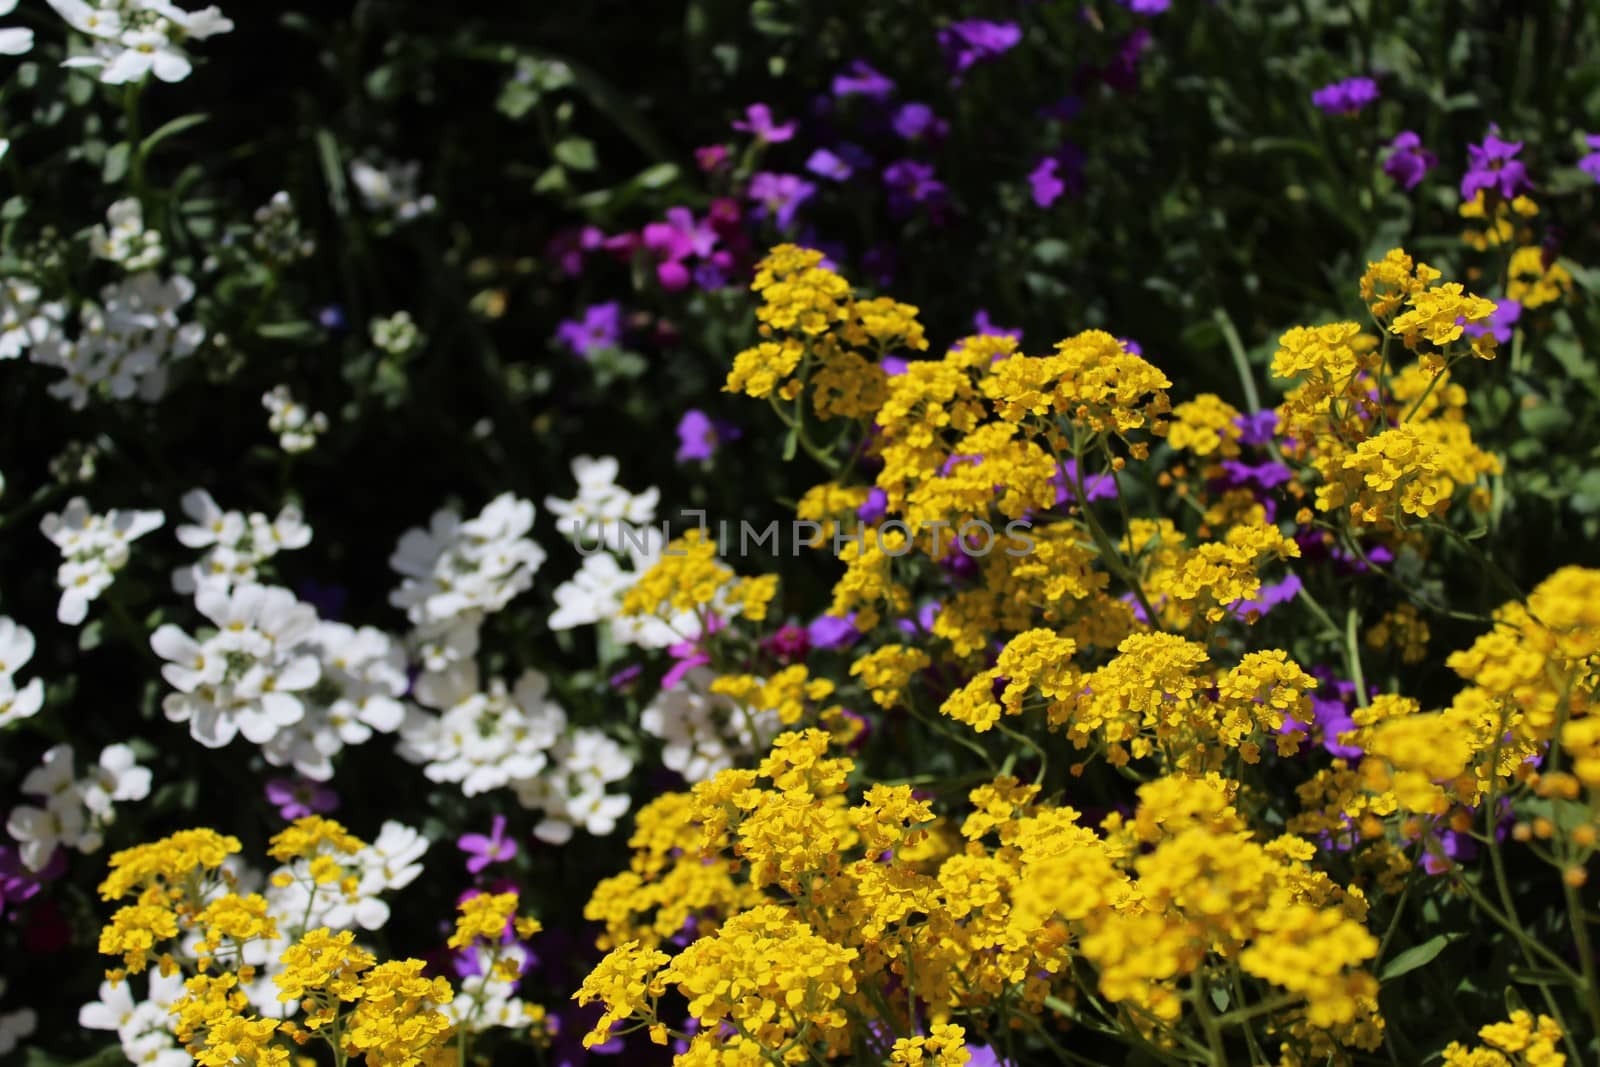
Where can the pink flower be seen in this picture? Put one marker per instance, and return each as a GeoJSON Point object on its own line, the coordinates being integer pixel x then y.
{"type": "Point", "coordinates": [482, 851]}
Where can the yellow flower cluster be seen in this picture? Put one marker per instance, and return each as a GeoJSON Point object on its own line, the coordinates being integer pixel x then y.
{"type": "Point", "coordinates": [689, 581]}
{"type": "Point", "coordinates": [1518, 1042]}
{"type": "Point", "coordinates": [887, 672]}
{"type": "Point", "coordinates": [788, 692]}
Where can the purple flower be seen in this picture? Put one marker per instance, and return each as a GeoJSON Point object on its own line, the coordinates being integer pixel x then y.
{"type": "Point", "coordinates": [482, 851]}
{"type": "Point", "coordinates": [1500, 323]}
{"type": "Point", "coordinates": [1096, 486]}
{"type": "Point", "coordinates": [859, 79]}
{"type": "Point", "coordinates": [974, 41]}
{"type": "Point", "coordinates": [1147, 7]}
{"type": "Point", "coordinates": [986, 328]}
{"type": "Point", "coordinates": [894, 366]}
{"type": "Point", "coordinates": [825, 164]}
{"type": "Point", "coordinates": [625, 678]}
{"type": "Point", "coordinates": [1346, 97]}
{"type": "Point", "coordinates": [18, 884]}
{"type": "Point", "coordinates": [758, 123]}
{"type": "Point", "coordinates": [912, 183]}
{"type": "Point", "coordinates": [1590, 164]}
{"type": "Point", "coordinates": [1408, 161]}
{"type": "Point", "coordinates": [876, 506]}
{"type": "Point", "coordinates": [1269, 596]}
{"type": "Point", "coordinates": [599, 328]}
{"type": "Point", "coordinates": [833, 632]}
{"type": "Point", "coordinates": [1258, 429]}
{"type": "Point", "coordinates": [1268, 475]}
{"type": "Point", "coordinates": [332, 319]}
{"type": "Point", "coordinates": [674, 240]}
{"type": "Point", "coordinates": [916, 121]}
{"type": "Point", "coordinates": [780, 195]}
{"type": "Point", "coordinates": [1494, 165]}
{"type": "Point", "coordinates": [1047, 188]}
{"type": "Point", "coordinates": [298, 797]}
{"type": "Point", "coordinates": [1058, 173]}
{"type": "Point", "coordinates": [699, 435]}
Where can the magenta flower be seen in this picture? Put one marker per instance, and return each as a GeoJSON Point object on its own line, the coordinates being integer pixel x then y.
{"type": "Point", "coordinates": [758, 123]}
{"type": "Point", "coordinates": [859, 79]}
{"type": "Point", "coordinates": [298, 797]}
{"type": "Point", "coordinates": [1494, 165]}
{"type": "Point", "coordinates": [599, 328]}
{"type": "Point", "coordinates": [711, 157]}
{"type": "Point", "coordinates": [482, 851]}
{"type": "Point", "coordinates": [973, 41]}
{"type": "Point", "coordinates": [673, 241]}
{"type": "Point", "coordinates": [833, 632]}
{"type": "Point", "coordinates": [780, 195]}
{"type": "Point", "coordinates": [1590, 164]}
{"type": "Point", "coordinates": [1408, 162]}
{"type": "Point", "coordinates": [1346, 97]}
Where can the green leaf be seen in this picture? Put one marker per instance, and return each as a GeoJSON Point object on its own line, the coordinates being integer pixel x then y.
{"type": "Point", "coordinates": [658, 176]}
{"type": "Point", "coordinates": [333, 172]}
{"type": "Point", "coordinates": [299, 330]}
{"type": "Point", "coordinates": [1416, 956]}
{"type": "Point", "coordinates": [116, 164]}
{"type": "Point", "coordinates": [577, 153]}
{"type": "Point", "coordinates": [172, 129]}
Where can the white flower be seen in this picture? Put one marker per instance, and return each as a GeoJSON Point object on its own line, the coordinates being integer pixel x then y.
{"type": "Point", "coordinates": [455, 568]}
{"type": "Point", "coordinates": [236, 543]}
{"type": "Point", "coordinates": [390, 862]}
{"type": "Point", "coordinates": [594, 593]}
{"type": "Point", "coordinates": [131, 39]}
{"type": "Point", "coordinates": [126, 343]}
{"type": "Point", "coordinates": [296, 425]}
{"type": "Point", "coordinates": [482, 740]}
{"type": "Point", "coordinates": [118, 776]}
{"type": "Point", "coordinates": [74, 812]}
{"type": "Point", "coordinates": [124, 240]}
{"type": "Point", "coordinates": [573, 791]}
{"type": "Point", "coordinates": [391, 189]}
{"type": "Point", "coordinates": [16, 649]}
{"type": "Point", "coordinates": [94, 548]}
{"type": "Point", "coordinates": [144, 1027]}
{"type": "Point", "coordinates": [363, 678]}
{"type": "Point", "coordinates": [24, 321]}
{"type": "Point", "coordinates": [248, 677]}
{"type": "Point", "coordinates": [704, 732]}
{"type": "Point", "coordinates": [14, 41]}
{"type": "Point", "coordinates": [602, 511]}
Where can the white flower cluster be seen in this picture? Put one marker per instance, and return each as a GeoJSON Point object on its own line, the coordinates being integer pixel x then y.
{"type": "Point", "coordinates": [296, 425]}
{"type": "Point", "coordinates": [363, 679]}
{"type": "Point", "coordinates": [143, 1025]}
{"type": "Point", "coordinates": [124, 240]}
{"type": "Point", "coordinates": [516, 738]}
{"type": "Point", "coordinates": [126, 343]}
{"type": "Point", "coordinates": [16, 649]}
{"type": "Point", "coordinates": [604, 515]}
{"type": "Point", "coordinates": [73, 812]}
{"type": "Point", "coordinates": [483, 999]}
{"type": "Point", "coordinates": [25, 320]}
{"type": "Point", "coordinates": [603, 511]}
{"type": "Point", "coordinates": [277, 238]}
{"type": "Point", "coordinates": [456, 572]}
{"type": "Point", "coordinates": [391, 189]}
{"type": "Point", "coordinates": [397, 335]}
{"type": "Point", "coordinates": [131, 39]}
{"type": "Point", "coordinates": [481, 740]}
{"type": "Point", "coordinates": [704, 732]}
{"type": "Point", "coordinates": [93, 549]}
{"type": "Point", "coordinates": [300, 687]}
{"type": "Point", "coordinates": [249, 676]}
{"type": "Point", "coordinates": [235, 543]}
